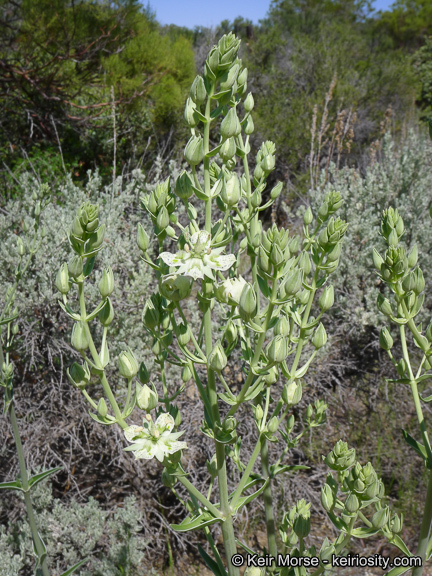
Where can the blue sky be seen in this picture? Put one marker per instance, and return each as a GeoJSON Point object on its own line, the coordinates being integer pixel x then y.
{"type": "Point", "coordinates": [193, 13]}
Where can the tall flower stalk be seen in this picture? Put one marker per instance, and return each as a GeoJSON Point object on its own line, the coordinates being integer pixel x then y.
{"type": "Point", "coordinates": [272, 319]}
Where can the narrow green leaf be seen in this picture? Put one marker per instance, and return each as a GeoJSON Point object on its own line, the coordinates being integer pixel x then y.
{"type": "Point", "coordinates": [419, 448]}
{"type": "Point", "coordinates": [11, 486]}
{"type": "Point", "coordinates": [8, 319]}
{"type": "Point", "coordinates": [88, 266]}
{"type": "Point", "coordinates": [246, 499]}
{"type": "Point", "coordinates": [75, 567]}
{"type": "Point", "coordinates": [399, 543]}
{"type": "Point", "coordinates": [364, 532]}
{"type": "Point", "coordinates": [210, 563]}
{"type": "Point", "coordinates": [39, 477]}
{"type": "Point", "coordinates": [264, 287]}
{"type": "Point", "coordinates": [195, 522]}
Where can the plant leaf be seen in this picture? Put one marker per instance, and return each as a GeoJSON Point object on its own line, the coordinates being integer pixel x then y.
{"type": "Point", "coordinates": [75, 567]}
{"type": "Point", "coordinates": [39, 477]}
{"type": "Point", "coordinates": [11, 486]}
{"type": "Point", "coordinates": [419, 448]}
{"type": "Point", "coordinates": [210, 563]}
{"type": "Point", "coordinates": [195, 522]}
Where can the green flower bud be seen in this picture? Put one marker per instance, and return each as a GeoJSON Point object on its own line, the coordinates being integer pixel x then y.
{"type": "Point", "coordinates": [198, 92]}
{"type": "Point", "coordinates": [413, 256]}
{"type": "Point", "coordinates": [328, 500]}
{"type": "Point", "coordinates": [79, 339]}
{"type": "Point", "coordinates": [276, 256]}
{"type": "Point", "coordinates": [258, 174]}
{"type": "Point", "coordinates": [393, 238]}
{"type": "Point", "coordinates": [294, 282]}
{"type": "Point", "coordinates": [162, 219]}
{"type": "Point", "coordinates": [380, 518]}
{"type": "Point", "coordinates": [268, 163]}
{"type": "Point", "coordinates": [352, 504]}
{"type": "Point", "coordinates": [150, 315]}
{"type": "Point", "coordinates": [231, 191]}
{"type": "Point", "coordinates": [106, 315]}
{"type": "Point", "coordinates": [183, 334]}
{"type": "Point", "coordinates": [276, 190]}
{"type": "Point", "coordinates": [143, 374]}
{"type": "Point", "coordinates": [253, 571]}
{"type": "Point", "coordinates": [323, 212]}
{"type": "Point", "coordinates": [143, 240]}
{"type": "Point", "coordinates": [76, 266]}
{"type": "Point", "coordinates": [217, 359]}
{"type": "Point", "coordinates": [186, 374]}
{"type": "Point", "coordinates": [249, 103]}
{"type": "Point", "coordinates": [377, 259]}
{"type": "Point", "coordinates": [326, 299]}
{"type": "Point", "coordinates": [174, 287]}
{"type": "Point", "coordinates": [230, 125]}
{"type": "Point", "coordinates": [258, 412]}
{"type": "Point", "coordinates": [94, 243]}
{"type": "Point", "coordinates": [292, 393]}
{"type": "Point", "coordinates": [231, 333]}
{"type": "Point", "coordinates": [127, 364]}
{"type": "Point", "coordinates": [242, 77]}
{"type": "Point", "coordinates": [102, 408]}
{"type": "Point", "coordinates": [184, 186]}
{"type": "Point", "coordinates": [385, 339]}
{"type": "Point", "coordinates": [229, 424]}
{"type": "Point", "coordinates": [384, 305]}
{"type": "Point", "coordinates": [273, 425]}
{"type": "Point", "coordinates": [249, 127]}
{"type": "Point", "coordinates": [272, 376]}
{"type": "Point", "coordinates": [190, 116]}
{"type": "Point", "coordinates": [263, 260]}
{"type": "Point", "coordinates": [62, 279]}
{"type": "Point", "coordinates": [106, 283]}
{"type": "Point", "coordinates": [419, 283]}
{"type": "Point", "coordinates": [229, 77]}
{"type": "Point", "coordinates": [334, 254]}
{"type": "Point", "coordinates": [278, 349]}
{"type": "Point", "coordinates": [308, 217]}
{"type": "Point", "coordinates": [396, 524]}
{"type": "Point", "coordinates": [78, 375]}
{"type": "Point", "coordinates": [147, 399]}
{"type": "Point", "coordinates": [305, 263]}
{"type": "Point", "coordinates": [282, 327]}
{"type": "Point", "coordinates": [248, 303]}
{"type": "Point", "coordinates": [228, 149]}
{"type": "Point", "coordinates": [319, 339]}
{"type": "Point", "coordinates": [194, 151]}
{"type": "Point", "coordinates": [20, 247]}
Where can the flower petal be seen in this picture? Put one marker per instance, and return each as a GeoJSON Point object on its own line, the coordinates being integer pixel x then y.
{"type": "Point", "coordinates": [170, 259]}
{"type": "Point", "coordinates": [133, 432]}
{"type": "Point", "coordinates": [165, 422]}
{"type": "Point", "coordinates": [171, 446]}
{"type": "Point", "coordinates": [147, 452]}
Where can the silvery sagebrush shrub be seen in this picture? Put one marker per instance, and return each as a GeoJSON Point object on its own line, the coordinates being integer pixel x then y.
{"type": "Point", "coordinates": [400, 176]}
{"type": "Point", "coordinates": [22, 234]}
{"type": "Point", "coordinates": [27, 245]}
{"type": "Point", "coordinates": [273, 317]}
{"type": "Point", "coordinates": [400, 271]}
{"type": "Point", "coordinates": [111, 541]}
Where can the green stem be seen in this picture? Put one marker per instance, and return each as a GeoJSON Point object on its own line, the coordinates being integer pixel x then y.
{"type": "Point", "coordinates": [27, 500]}
{"type": "Point", "coordinates": [425, 528]}
{"type": "Point", "coordinates": [197, 494]}
{"type": "Point", "coordinates": [96, 360]}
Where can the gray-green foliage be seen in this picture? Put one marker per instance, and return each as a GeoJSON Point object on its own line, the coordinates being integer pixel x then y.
{"type": "Point", "coordinates": [72, 531]}
{"type": "Point", "coordinates": [119, 210]}
{"type": "Point", "coordinates": [401, 177]}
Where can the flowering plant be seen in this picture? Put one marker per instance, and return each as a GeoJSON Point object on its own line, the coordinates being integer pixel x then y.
{"type": "Point", "coordinates": [272, 320]}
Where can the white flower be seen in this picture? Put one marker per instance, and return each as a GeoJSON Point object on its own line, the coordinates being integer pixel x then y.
{"type": "Point", "coordinates": [230, 291]}
{"type": "Point", "coordinates": [199, 259]}
{"type": "Point", "coordinates": [154, 439]}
